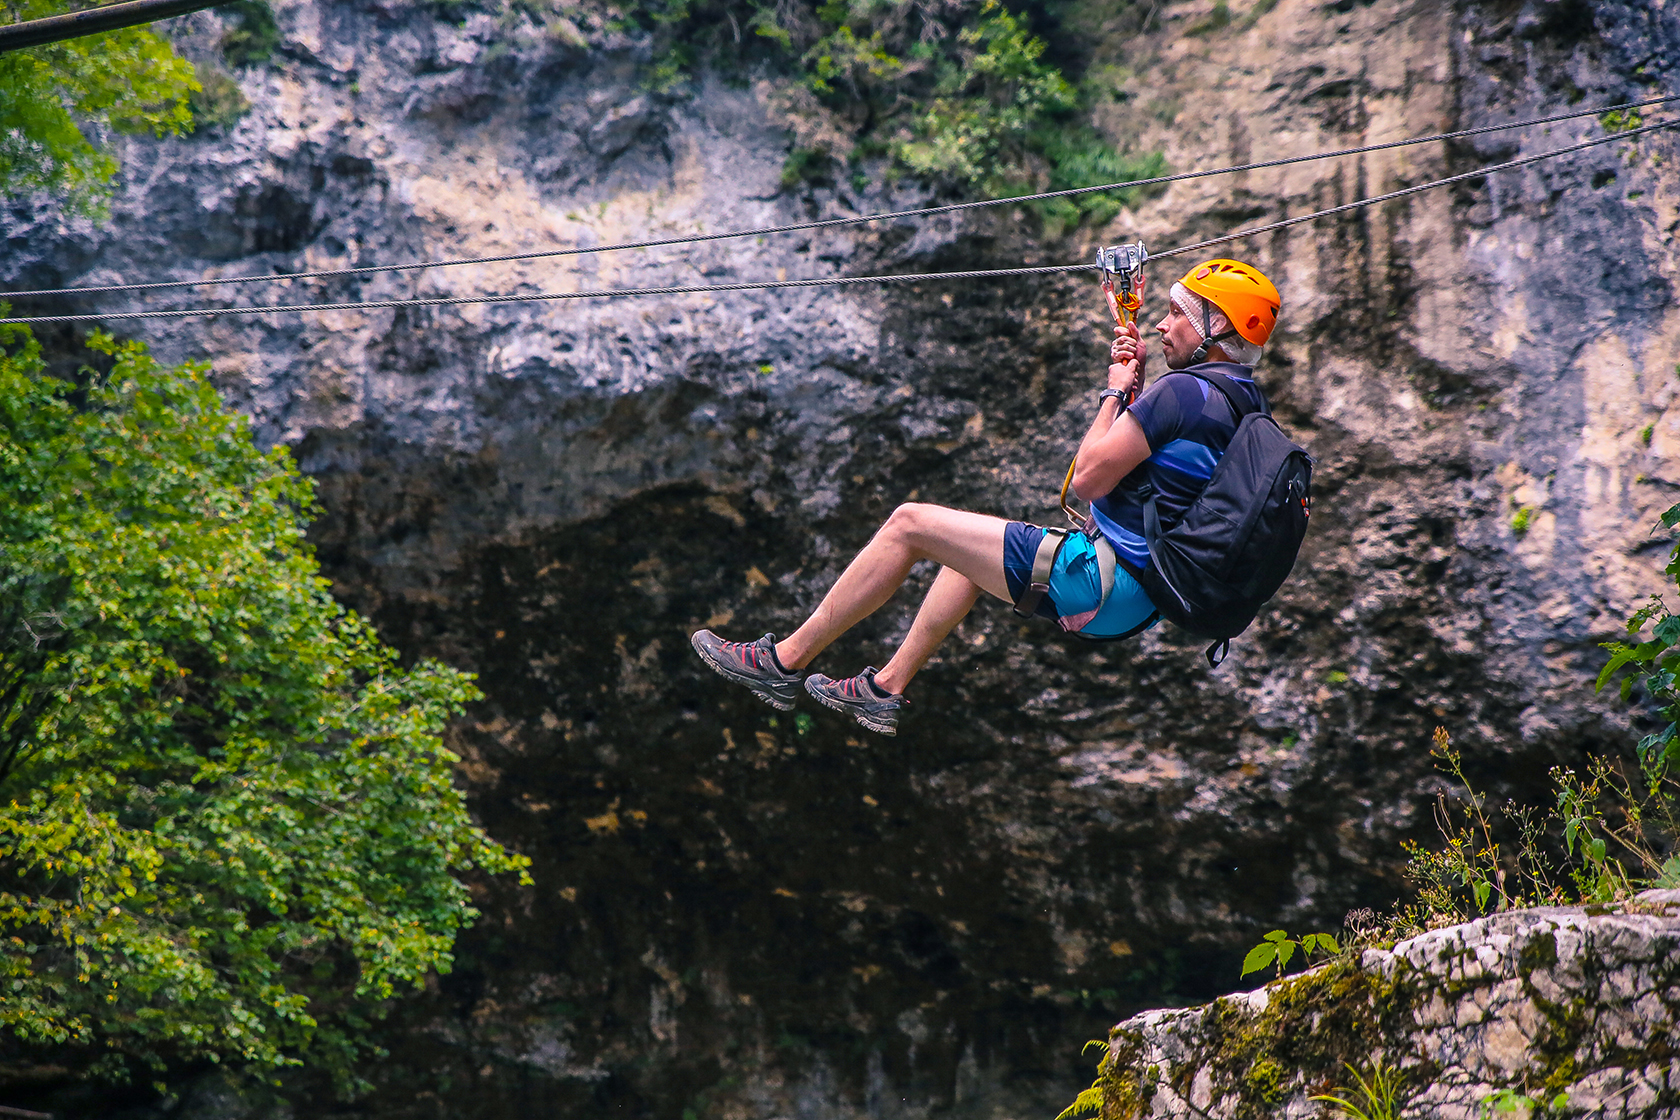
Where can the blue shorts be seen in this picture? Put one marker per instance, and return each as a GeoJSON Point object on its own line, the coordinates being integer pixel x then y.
{"type": "Point", "coordinates": [1075, 584]}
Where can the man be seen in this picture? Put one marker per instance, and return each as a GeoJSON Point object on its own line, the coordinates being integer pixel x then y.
{"type": "Point", "coordinates": [1220, 315]}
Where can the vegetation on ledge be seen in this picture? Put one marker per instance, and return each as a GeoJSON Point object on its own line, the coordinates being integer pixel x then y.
{"type": "Point", "coordinates": [968, 95]}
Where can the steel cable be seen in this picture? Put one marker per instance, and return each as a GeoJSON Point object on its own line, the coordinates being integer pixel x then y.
{"type": "Point", "coordinates": [541, 297]}
{"type": "Point", "coordinates": [1404, 191]}
{"type": "Point", "coordinates": [833, 281]}
{"type": "Point", "coordinates": [831, 223]}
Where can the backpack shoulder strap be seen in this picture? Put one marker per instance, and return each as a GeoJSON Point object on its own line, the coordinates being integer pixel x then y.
{"type": "Point", "coordinates": [1228, 389]}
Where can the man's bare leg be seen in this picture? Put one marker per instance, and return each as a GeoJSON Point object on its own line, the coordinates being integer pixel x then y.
{"type": "Point", "coordinates": [969, 543]}
{"type": "Point", "coordinates": [948, 600]}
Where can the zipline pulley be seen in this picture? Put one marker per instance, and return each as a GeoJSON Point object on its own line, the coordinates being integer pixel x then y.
{"type": "Point", "coordinates": [1122, 266]}
{"type": "Point", "coordinates": [1122, 286]}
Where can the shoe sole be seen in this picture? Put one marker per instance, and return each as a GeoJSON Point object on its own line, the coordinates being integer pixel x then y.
{"type": "Point", "coordinates": [875, 725]}
{"type": "Point", "coordinates": [729, 674]}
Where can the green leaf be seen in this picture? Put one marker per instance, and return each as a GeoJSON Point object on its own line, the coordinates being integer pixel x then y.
{"type": "Point", "coordinates": [1483, 889]}
{"type": "Point", "coordinates": [1277, 935]}
{"type": "Point", "coordinates": [1620, 654]}
{"type": "Point", "coordinates": [1087, 1103]}
{"type": "Point", "coordinates": [1347, 1107]}
{"type": "Point", "coordinates": [1668, 631]}
{"type": "Point", "coordinates": [1595, 849]}
{"type": "Point", "coordinates": [1285, 950]}
{"type": "Point", "coordinates": [1259, 957]}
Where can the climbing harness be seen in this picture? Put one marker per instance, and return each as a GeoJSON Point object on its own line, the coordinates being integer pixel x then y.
{"type": "Point", "coordinates": [835, 223]}
{"type": "Point", "coordinates": [1044, 563]}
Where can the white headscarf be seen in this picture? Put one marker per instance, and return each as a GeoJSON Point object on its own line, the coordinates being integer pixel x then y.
{"type": "Point", "coordinates": [1239, 349]}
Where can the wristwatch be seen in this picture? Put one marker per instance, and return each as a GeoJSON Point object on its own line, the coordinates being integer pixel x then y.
{"type": "Point", "coordinates": [1119, 394]}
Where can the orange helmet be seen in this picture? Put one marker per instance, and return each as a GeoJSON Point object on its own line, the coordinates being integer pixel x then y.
{"type": "Point", "coordinates": [1240, 290]}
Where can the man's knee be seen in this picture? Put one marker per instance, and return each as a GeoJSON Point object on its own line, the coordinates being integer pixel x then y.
{"type": "Point", "coordinates": [911, 521]}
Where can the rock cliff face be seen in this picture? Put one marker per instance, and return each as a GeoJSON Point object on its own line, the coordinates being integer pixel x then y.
{"type": "Point", "coordinates": [740, 914]}
{"type": "Point", "coordinates": [1557, 1008]}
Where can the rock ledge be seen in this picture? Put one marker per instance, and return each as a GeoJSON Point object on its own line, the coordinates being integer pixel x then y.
{"type": "Point", "coordinates": [1575, 1007]}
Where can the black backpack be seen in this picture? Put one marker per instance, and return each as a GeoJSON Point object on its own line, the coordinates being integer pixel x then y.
{"type": "Point", "coordinates": [1212, 570]}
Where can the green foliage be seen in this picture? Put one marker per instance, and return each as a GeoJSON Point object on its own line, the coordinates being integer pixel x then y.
{"type": "Point", "coordinates": [1469, 874]}
{"type": "Point", "coordinates": [1090, 1101]}
{"type": "Point", "coordinates": [228, 830]}
{"type": "Point", "coordinates": [1278, 948]}
{"type": "Point", "coordinates": [1621, 120]}
{"type": "Point", "coordinates": [1475, 872]}
{"type": "Point", "coordinates": [1646, 433]}
{"type": "Point", "coordinates": [1658, 658]}
{"type": "Point", "coordinates": [803, 164]}
{"type": "Point", "coordinates": [987, 103]}
{"type": "Point", "coordinates": [218, 103]}
{"type": "Point", "coordinates": [1509, 1102]}
{"type": "Point", "coordinates": [959, 94]}
{"type": "Point", "coordinates": [1379, 1097]}
{"type": "Point", "coordinates": [1521, 520]}
{"type": "Point", "coordinates": [254, 36]}
{"type": "Point", "coordinates": [1216, 20]}
{"type": "Point", "coordinates": [58, 100]}
{"type": "Point", "coordinates": [1264, 1081]}
{"type": "Point", "coordinates": [1080, 158]}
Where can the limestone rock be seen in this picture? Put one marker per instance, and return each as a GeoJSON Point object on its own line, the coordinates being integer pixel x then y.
{"type": "Point", "coordinates": [1566, 1008]}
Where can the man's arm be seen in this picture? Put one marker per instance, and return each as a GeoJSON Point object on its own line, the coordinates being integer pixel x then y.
{"type": "Point", "coordinates": [1113, 448]}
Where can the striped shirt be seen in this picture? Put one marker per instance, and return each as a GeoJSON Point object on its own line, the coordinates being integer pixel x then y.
{"type": "Point", "coordinates": [1188, 424]}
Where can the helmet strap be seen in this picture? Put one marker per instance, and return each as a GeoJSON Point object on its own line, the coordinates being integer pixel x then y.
{"type": "Point", "coordinates": [1208, 343]}
{"type": "Point", "coordinates": [1209, 339]}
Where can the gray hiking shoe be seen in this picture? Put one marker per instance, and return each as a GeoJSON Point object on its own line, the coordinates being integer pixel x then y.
{"type": "Point", "coordinates": [859, 697]}
{"type": "Point", "coordinates": [753, 664]}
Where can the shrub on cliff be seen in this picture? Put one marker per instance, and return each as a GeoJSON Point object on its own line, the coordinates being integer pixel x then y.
{"type": "Point", "coordinates": [960, 94]}
{"type": "Point", "coordinates": [228, 831]}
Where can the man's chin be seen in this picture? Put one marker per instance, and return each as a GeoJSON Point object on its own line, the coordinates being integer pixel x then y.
{"type": "Point", "coordinates": [1177, 363]}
